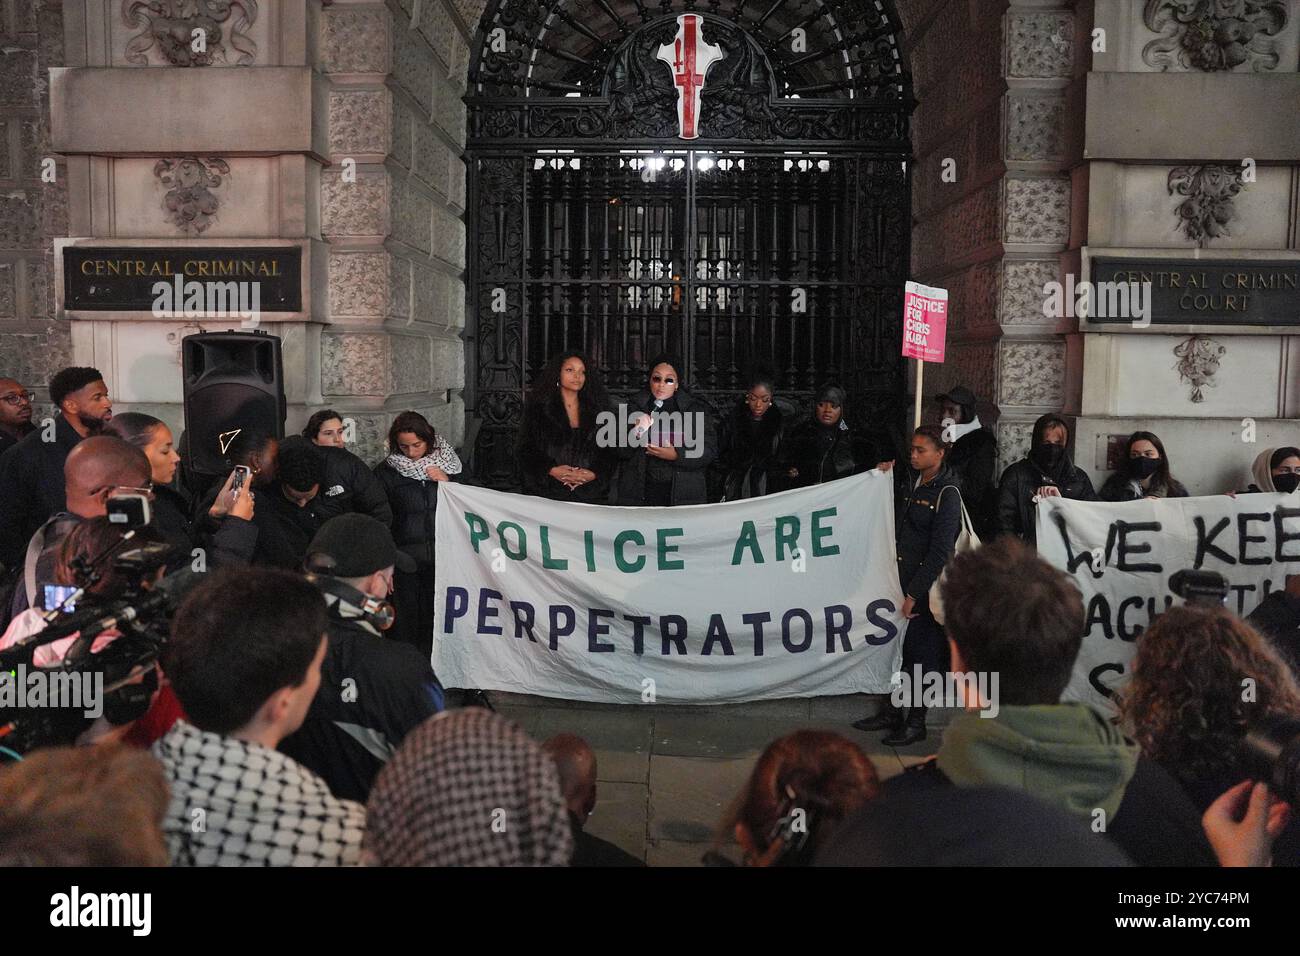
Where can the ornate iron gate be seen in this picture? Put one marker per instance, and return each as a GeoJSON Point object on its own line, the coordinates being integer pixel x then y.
{"type": "Point", "coordinates": [779, 236]}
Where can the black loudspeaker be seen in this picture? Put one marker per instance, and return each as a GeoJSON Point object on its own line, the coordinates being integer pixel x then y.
{"type": "Point", "coordinates": [233, 381]}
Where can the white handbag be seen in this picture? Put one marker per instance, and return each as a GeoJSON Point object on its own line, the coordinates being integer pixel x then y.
{"type": "Point", "coordinates": [967, 540]}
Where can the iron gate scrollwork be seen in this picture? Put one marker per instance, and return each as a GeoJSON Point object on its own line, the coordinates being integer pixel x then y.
{"type": "Point", "coordinates": [780, 236]}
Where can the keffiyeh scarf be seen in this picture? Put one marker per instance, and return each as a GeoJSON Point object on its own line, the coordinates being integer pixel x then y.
{"type": "Point", "coordinates": [468, 788]}
{"type": "Point", "coordinates": [235, 803]}
{"type": "Point", "coordinates": [443, 456]}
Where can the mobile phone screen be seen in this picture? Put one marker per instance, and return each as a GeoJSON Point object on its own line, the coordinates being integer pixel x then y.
{"type": "Point", "coordinates": [56, 594]}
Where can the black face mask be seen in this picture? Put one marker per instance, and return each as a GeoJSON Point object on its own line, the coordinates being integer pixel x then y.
{"type": "Point", "coordinates": [1141, 468]}
{"type": "Point", "coordinates": [1286, 483]}
{"type": "Point", "coordinates": [1047, 456]}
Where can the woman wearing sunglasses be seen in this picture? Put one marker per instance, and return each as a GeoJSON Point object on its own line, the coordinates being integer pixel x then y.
{"type": "Point", "coordinates": [681, 443]}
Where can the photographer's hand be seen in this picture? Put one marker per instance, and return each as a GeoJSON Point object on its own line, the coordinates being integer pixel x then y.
{"type": "Point", "coordinates": [1242, 824]}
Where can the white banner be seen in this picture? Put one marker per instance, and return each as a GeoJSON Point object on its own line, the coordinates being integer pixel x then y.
{"type": "Point", "coordinates": [1122, 556]}
{"type": "Point", "coordinates": [791, 595]}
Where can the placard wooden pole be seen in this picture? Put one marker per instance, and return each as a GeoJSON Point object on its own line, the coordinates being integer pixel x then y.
{"type": "Point", "coordinates": [920, 375]}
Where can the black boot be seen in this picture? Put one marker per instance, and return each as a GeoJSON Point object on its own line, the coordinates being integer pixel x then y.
{"type": "Point", "coordinates": [888, 718]}
{"type": "Point", "coordinates": [910, 733]}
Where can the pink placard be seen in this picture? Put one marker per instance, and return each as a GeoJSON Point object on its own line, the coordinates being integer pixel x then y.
{"type": "Point", "coordinates": [925, 322]}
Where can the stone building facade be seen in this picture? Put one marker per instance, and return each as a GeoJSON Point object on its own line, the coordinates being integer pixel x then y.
{"type": "Point", "coordinates": [1048, 134]}
{"type": "Point", "coordinates": [1110, 129]}
{"type": "Point", "coordinates": [333, 127]}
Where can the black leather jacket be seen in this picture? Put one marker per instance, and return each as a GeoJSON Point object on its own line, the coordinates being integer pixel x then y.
{"type": "Point", "coordinates": [823, 454]}
{"type": "Point", "coordinates": [1021, 480]}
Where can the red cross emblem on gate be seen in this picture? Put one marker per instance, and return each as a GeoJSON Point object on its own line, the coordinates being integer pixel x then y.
{"type": "Point", "coordinates": [689, 56]}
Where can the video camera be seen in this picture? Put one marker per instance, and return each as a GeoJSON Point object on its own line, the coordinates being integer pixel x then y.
{"type": "Point", "coordinates": [1270, 751]}
{"type": "Point", "coordinates": [121, 672]}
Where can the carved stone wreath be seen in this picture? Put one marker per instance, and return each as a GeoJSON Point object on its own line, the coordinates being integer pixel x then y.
{"type": "Point", "coordinates": [1198, 362]}
{"type": "Point", "coordinates": [171, 26]}
{"type": "Point", "coordinates": [1211, 35]}
{"type": "Point", "coordinates": [1208, 208]}
{"type": "Point", "coordinates": [189, 201]}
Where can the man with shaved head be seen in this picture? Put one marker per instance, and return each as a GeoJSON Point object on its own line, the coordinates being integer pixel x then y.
{"type": "Point", "coordinates": [31, 472]}
{"type": "Point", "coordinates": [15, 413]}
{"type": "Point", "coordinates": [576, 762]}
{"type": "Point", "coordinates": [96, 469]}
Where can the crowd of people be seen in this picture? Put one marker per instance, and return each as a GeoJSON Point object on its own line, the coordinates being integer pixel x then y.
{"type": "Point", "coordinates": [293, 717]}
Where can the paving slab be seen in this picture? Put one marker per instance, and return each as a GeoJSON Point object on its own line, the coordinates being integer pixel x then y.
{"type": "Point", "coordinates": [667, 774]}
{"type": "Point", "coordinates": [676, 853]}
{"type": "Point", "coordinates": [923, 748]}
{"type": "Point", "coordinates": [619, 766]}
{"type": "Point", "coordinates": [843, 709]}
{"type": "Point", "coordinates": [628, 730]}
{"type": "Point", "coordinates": [706, 735]}
{"type": "Point", "coordinates": [620, 817]}
{"type": "Point", "coordinates": [529, 718]}
{"type": "Point", "coordinates": [688, 795]}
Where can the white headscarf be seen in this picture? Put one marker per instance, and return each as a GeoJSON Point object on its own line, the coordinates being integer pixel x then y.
{"type": "Point", "coordinates": [1262, 472]}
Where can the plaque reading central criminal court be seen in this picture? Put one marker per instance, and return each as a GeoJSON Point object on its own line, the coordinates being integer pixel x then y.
{"type": "Point", "coordinates": [126, 279]}
{"type": "Point", "coordinates": [1209, 291]}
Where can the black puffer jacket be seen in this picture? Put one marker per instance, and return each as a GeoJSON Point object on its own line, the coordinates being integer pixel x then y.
{"type": "Point", "coordinates": [823, 454]}
{"type": "Point", "coordinates": [926, 525]}
{"type": "Point", "coordinates": [348, 485]}
{"type": "Point", "coordinates": [415, 505]}
{"type": "Point", "coordinates": [1016, 514]}
{"type": "Point", "coordinates": [547, 440]}
{"type": "Point", "coordinates": [689, 475]}
{"type": "Point", "coordinates": [749, 452]}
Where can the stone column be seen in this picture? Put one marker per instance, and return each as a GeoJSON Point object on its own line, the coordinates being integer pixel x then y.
{"type": "Point", "coordinates": [991, 199]}
{"type": "Point", "coordinates": [396, 233]}
{"type": "Point", "coordinates": [34, 341]}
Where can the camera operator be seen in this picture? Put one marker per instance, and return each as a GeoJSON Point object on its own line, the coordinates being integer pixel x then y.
{"type": "Point", "coordinates": [98, 468]}
{"type": "Point", "coordinates": [89, 541]}
{"type": "Point", "coordinates": [88, 550]}
{"type": "Point", "coordinates": [1200, 681]}
{"type": "Point", "coordinates": [373, 690]}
